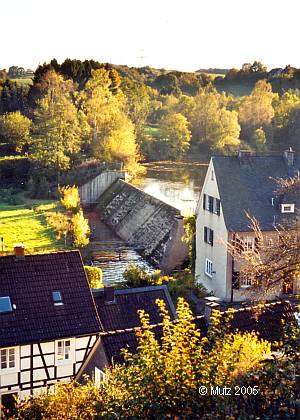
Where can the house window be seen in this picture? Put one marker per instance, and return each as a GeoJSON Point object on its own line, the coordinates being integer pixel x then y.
{"type": "Point", "coordinates": [212, 175]}
{"type": "Point", "coordinates": [287, 208]}
{"type": "Point", "coordinates": [57, 299]}
{"type": "Point", "coordinates": [208, 267]}
{"type": "Point", "coordinates": [211, 204]}
{"type": "Point", "coordinates": [63, 350]}
{"type": "Point", "coordinates": [8, 358]}
{"type": "Point", "coordinates": [246, 280]}
{"type": "Point", "coordinates": [269, 241]}
{"type": "Point", "coordinates": [249, 243]}
{"type": "Point", "coordinates": [99, 376]}
{"type": "Point", "coordinates": [208, 236]}
{"type": "Point", "coordinates": [5, 304]}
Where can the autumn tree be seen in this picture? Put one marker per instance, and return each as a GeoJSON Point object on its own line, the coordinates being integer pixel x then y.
{"type": "Point", "coordinates": [113, 137]}
{"type": "Point", "coordinates": [273, 265]}
{"type": "Point", "coordinates": [256, 110]}
{"type": "Point", "coordinates": [15, 130]}
{"type": "Point", "coordinates": [166, 376]}
{"type": "Point", "coordinates": [80, 230]}
{"type": "Point", "coordinates": [70, 198]}
{"type": "Point", "coordinates": [94, 275]}
{"type": "Point", "coordinates": [137, 104]}
{"type": "Point", "coordinates": [175, 135]}
{"type": "Point", "coordinates": [212, 124]}
{"type": "Point", "coordinates": [56, 129]}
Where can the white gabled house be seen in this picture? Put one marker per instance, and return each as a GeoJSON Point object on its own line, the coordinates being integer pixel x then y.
{"type": "Point", "coordinates": [234, 186]}
{"type": "Point", "coordinates": [48, 321]}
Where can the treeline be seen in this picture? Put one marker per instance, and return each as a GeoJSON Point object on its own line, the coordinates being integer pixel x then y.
{"type": "Point", "coordinates": [84, 110]}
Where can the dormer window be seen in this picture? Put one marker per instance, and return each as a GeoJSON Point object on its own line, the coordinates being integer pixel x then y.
{"type": "Point", "coordinates": [57, 299]}
{"type": "Point", "coordinates": [287, 208]}
{"type": "Point", "coordinates": [5, 304]}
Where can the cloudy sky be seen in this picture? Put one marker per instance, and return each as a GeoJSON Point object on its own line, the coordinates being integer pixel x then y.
{"type": "Point", "coordinates": [174, 34]}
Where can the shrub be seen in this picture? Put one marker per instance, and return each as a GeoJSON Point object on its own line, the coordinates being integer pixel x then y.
{"type": "Point", "coordinates": [70, 198]}
{"type": "Point", "coordinates": [80, 229]}
{"type": "Point", "coordinates": [94, 275]}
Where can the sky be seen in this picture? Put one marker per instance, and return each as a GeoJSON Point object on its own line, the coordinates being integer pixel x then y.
{"type": "Point", "coordinates": [180, 34]}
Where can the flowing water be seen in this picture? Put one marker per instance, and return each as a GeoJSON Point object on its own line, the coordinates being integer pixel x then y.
{"type": "Point", "coordinates": [177, 184]}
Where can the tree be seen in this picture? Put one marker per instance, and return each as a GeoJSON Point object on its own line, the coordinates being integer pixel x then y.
{"type": "Point", "coordinates": [283, 107]}
{"type": "Point", "coordinates": [137, 102]}
{"type": "Point", "coordinates": [173, 377]}
{"type": "Point", "coordinates": [70, 198]}
{"type": "Point", "coordinates": [275, 265]}
{"type": "Point", "coordinates": [113, 136]}
{"type": "Point", "coordinates": [259, 139]}
{"type": "Point", "coordinates": [56, 129]}
{"type": "Point", "coordinates": [80, 230]}
{"type": "Point", "coordinates": [15, 130]}
{"type": "Point", "coordinates": [175, 134]}
{"type": "Point", "coordinates": [213, 124]}
{"type": "Point", "coordinates": [256, 110]}
{"type": "Point", "coordinates": [94, 275]}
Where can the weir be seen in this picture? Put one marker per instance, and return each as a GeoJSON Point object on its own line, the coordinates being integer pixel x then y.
{"type": "Point", "coordinates": [151, 226]}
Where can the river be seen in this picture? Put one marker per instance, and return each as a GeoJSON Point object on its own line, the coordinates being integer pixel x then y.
{"type": "Point", "coordinates": [177, 184]}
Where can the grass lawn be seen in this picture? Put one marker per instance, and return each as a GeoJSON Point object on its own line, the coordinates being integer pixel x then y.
{"type": "Point", "coordinates": [152, 130]}
{"type": "Point", "coordinates": [27, 224]}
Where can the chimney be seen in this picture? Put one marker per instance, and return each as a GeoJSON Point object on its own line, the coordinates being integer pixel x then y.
{"type": "Point", "coordinates": [109, 294]}
{"type": "Point", "coordinates": [211, 303]}
{"type": "Point", "coordinates": [244, 156]}
{"type": "Point", "coordinates": [289, 156]}
{"type": "Point", "coordinates": [19, 251]}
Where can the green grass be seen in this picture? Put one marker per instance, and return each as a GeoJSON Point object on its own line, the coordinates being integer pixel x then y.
{"type": "Point", "coordinates": [26, 81]}
{"type": "Point", "coordinates": [27, 224]}
{"type": "Point", "coordinates": [152, 131]}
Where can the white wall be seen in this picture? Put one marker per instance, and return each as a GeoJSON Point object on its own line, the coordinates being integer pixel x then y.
{"type": "Point", "coordinates": [218, 252]}
{"type": "Point", "coordinates": [30, 367]}
{"type": "Point", "coordinates": [92, 190]}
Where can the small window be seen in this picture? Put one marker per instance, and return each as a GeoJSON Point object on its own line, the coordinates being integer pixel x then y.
{"type": "Point", "coordinates": [208, 267]}
{"type": "Point", "coordinates": [212, 175]}
{"type": "Point", "coordinates": [8, 358]}
{"type": "Point", "coordinates": [57, 299]}
{"type": "Point", "coordinates": [287, 208]}
{"type": "Point", "coordinates": [63, 350]}
{"type": "Point", "coordinates": [5, 304]}
{"type": "Point", "coordinates": [208, 236]}
{"type": "Point", "coordinates": [99, 376]}
{"type": "Point", "coordinates": [246, 280]}
{"type": "Point", "coordinates": [249, 243]}
{"type": "Point", "coordinates": [269, 242]}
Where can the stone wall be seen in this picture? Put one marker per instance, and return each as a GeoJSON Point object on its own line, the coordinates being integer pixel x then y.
{"type": "Point", "coordinates": [91, 191]}
{"type": "Point", "coordinates": [139, 218]}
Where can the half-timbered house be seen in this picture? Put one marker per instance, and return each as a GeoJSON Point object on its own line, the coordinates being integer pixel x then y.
{"type": "Point", "coordinates": [48, 321]}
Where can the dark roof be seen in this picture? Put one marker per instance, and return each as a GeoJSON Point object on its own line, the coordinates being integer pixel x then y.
{"type": "Point", "coordinates": [120, 319]}
{"type": "Point", "coordinates": [30, 282]}
{"type": "Point", "coordinates": [267, 323]}
{"type": "Point", "coordinates": [114, 342]}
{"type": "Point", "coordinates": [250, 187]}
{"type": "Point", "coordinates": [123, 313]}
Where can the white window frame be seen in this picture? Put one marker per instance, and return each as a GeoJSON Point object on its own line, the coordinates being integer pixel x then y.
{"type": "Point", "coordinates": [249, 243]}
{"type": "Point", "coordinates": [208, 268]}
{"type": "Point", "coordinates": [62, 349]}
{"type": "Point", "coordinates": [9, 369]}
{"type": "Point", "coordinates": [288, 208]}
{"type": "Point", "coordinates": [100, 376]}
{"type": "Point", "coordinates": [246, 280]}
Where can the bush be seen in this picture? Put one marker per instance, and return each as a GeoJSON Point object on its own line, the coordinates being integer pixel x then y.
{"type": "Point", "coordinates": [14, 171]}
{"type": "Point", "coordinates": [136, 276]}
{"type": "Point", "coordinates": [70, 198]}
{"type": "Point", "coordinates": [94, 275]}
